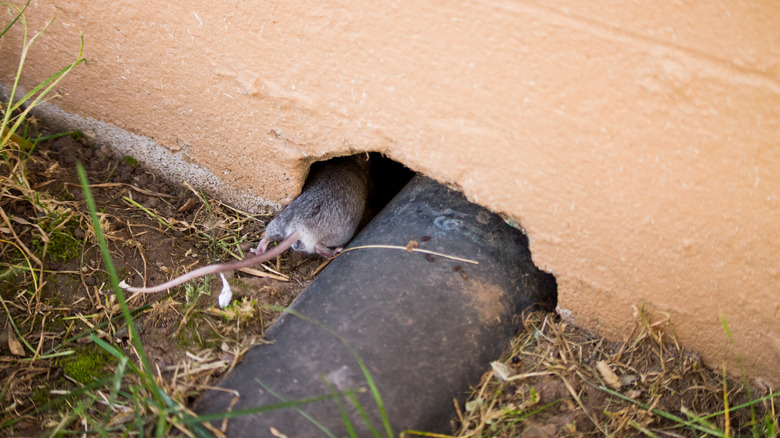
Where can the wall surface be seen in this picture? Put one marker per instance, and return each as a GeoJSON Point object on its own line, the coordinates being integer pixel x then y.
{"type": "Point", "coordinates": [638, 145]}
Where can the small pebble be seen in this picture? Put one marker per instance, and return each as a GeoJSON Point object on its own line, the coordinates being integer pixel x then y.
{"type": "Point", "coordinates": [152, 203]}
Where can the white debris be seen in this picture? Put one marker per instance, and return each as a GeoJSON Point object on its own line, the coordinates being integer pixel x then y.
{"type": "Point", "coordinates": [226, 295]}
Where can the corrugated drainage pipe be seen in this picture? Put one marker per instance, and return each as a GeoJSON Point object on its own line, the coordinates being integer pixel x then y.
{"type": "Point", "coordinates": [424, 326]}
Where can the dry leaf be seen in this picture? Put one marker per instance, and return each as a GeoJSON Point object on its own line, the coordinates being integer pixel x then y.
{"type": "Point", "coordinates": [259, 273]}
{"type": "Point", "coordinates": [13, 344]}
{"type": "Point", "coordinates": [187, 206]}
{"type": "Point", "coordinates": [628, 379]}
{"type": "Point", "coordinates": [609, 376]}
{"type": "Point", "coordinates": [633, 394]}
{"type": "Point", "coordinates": [502, 370]}
{"type": "Point", "coordinates": [473, 405]}
{"type": "Point", "coordinates": [227, 357]}
{"type": "Point", "coordinates": [277, 434]}
{"type": "Point", "coordinates": [412, 245]}
{"type": "Point", "coordinates": [51, 170]}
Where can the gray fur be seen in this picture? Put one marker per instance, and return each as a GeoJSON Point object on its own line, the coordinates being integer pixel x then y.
{"type": "Point", "coordinates": [327, 211]}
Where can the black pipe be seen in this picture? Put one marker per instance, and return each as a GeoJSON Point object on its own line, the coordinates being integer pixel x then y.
{"type": "Point", "coordinates": [426, 327]}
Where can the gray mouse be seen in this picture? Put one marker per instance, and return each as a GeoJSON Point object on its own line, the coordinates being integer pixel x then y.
{"type": "Point", "coordinates": [327, 211]}
{"type": "Point", "coordinates": [322, 219]}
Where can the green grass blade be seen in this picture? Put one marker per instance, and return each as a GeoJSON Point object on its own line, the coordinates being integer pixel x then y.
{"type": "Point", "coordinates": [139, 422]}
{"type": "Point", "coordinates": [57, 401]}
{"type": "Point", "coordinates": [532, 413]}
{"type": "Point", "coordinates": [364, 415]}
{"type": "Point", "coordinates": [42, 90]}
{"type": "Point", "coordinates": [305, 414]}
{"type": "Point", "coordinates": [745, 382]}
{"type": "Point", "coordinates": [49, 356]}
{"type": "Point", "coordinates": [114, 352]}
{"type": "Point", "coordinates": [117, 384]}
{"type": "Point", "coordinates": [642, 429]}
{"type": "Point", "coordinates": [260, 409]}
{"type": "Point", "coordinates": [151, 214]}
{"type": "Point", "coordinates": [49, 83]}
{"type": "Point", "coordinates": [12, 94]}
{"type": "Point", "coordinates": [342, 410]}
{"type": "Point", "coordinates": [108, 347]}
{"type": "Point", "coordinates": [136, 339]}
{"type": "Point", "coordinates": [704, 423]}
{"type": "Point", "coordinates": [75, 134]}
{"type": "Point", "coordinates": [13, 325]}
{"type": "Point", "coordinates": [161, 422]}
{"type": "Point", "coordinates": [52, 80]}
{"type": "Point", "coordinates": [364, 369]}
{"type": "Point", "coordinates": [743, 405]}
{"type": "Point", "coordinates": [20, 14]}
{"type": "Point", "coordinates": [53, 351]}
{"type": "Point", "coordinates": [663, 414]}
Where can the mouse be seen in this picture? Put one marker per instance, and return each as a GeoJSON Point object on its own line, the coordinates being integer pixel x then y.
{"type": "Point", "coordinates": [322, 219]}
{"type": "Point", "coordinates": [327, 211]}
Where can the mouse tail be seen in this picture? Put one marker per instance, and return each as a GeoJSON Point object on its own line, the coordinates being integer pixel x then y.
{"type": "Point", "coordinates": [216, 269]}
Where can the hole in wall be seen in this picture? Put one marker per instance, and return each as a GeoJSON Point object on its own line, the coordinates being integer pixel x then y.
{"type": "Point", "coordinates": [547, 283]}
{"type": "Point", "coordinates": [386, 179]}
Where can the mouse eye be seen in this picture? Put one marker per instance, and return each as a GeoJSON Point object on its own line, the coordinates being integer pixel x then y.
{"type": "Point", "coordinates": [299, 246]}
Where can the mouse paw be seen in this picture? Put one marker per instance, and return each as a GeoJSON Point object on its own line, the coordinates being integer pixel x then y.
{"type": "Point", "coordinates": [327, 252]}
{"type": "Point", "coordinates": [261, 247]}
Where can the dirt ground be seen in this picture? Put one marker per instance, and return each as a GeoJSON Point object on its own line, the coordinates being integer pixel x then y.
{"type": "Point", "coordinates": [155, 230]}
{"type": "Point", "coordinates": [55, 289]}
{"type": "Point", "coordinates": [558, 380]}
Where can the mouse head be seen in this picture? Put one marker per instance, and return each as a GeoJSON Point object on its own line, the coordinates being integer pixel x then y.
{"type": "Point", "coordinates": [274, 233]}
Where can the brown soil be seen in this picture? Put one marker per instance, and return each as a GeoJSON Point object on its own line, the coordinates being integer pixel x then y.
{"type": "Point", "coordinates": [74, 292]}
{"type": "Point", "coordinates": [569, 383]}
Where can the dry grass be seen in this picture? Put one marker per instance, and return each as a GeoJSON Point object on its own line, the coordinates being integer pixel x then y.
{"type": "Point", "coordinates": [559, 381]}
{"type": "Point", "coordinates": [59, 307]}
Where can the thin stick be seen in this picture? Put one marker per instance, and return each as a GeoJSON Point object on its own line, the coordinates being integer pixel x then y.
{"type": "Point", "coordinates": [137, 189]}
{"type": "Point", "coordinates": [425, 251]}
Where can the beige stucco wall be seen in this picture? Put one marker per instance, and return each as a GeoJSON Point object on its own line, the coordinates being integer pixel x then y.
{"type": "Point", "coordinates": [638, 144]}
